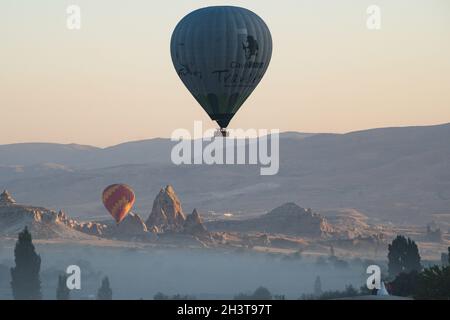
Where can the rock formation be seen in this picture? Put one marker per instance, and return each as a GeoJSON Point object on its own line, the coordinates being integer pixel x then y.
{"type": "Point", "coordinates": [194, 224]}
{"type": "Point", "coordinates": [131, 227]}
{"type": "Point", "coordinates": [6, 199]}
{"type": "Point", "coordinates": [91, 228]}
{"type": "Point", "coordinates": [167, 217]}
{"type": "Point", "coordinates": [293, 219]}
{"type": "Point", "coordinates": [289, 219]}
{"type": "Point", "coordinates": [167, 214]}
{"type": "Point", "coordinates": [42, 223]}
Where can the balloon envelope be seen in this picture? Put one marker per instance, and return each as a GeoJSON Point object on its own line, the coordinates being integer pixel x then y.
{"type": "Point", "coordinates": [118, 200]}
{"type": "Point", "coordinates": [221, 54]}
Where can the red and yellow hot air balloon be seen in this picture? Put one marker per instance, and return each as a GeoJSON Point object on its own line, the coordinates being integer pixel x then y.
{"type": "Point", "coordinates": [118, 200]}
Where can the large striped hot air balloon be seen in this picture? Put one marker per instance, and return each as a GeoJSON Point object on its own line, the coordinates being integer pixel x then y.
{"type": "Point", "coordinates": [221, 54]}
{"type": "Point", "coordinates": [118, 200]}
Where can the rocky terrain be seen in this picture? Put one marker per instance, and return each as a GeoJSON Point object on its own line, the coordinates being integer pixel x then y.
{"type": "Point", "coordinates": [42, 222]}
{"type": "Point", "coordinates": [396, 175]}
{"type": "Point", "coordinates": [288, 228]}
{"type": "Point", "coordinates": [288, 219]}
{"type": "Point", "coordinates": [167, 217]}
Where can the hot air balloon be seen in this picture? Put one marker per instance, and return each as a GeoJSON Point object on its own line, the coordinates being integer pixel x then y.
{"type": "Point", "coordinates": [118, 200]}
{"type": "Point", "coordinates": [221, 54]}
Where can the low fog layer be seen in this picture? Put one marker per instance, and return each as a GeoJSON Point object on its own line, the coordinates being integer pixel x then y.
{"type": "Point", "coordinates": [136, 273]}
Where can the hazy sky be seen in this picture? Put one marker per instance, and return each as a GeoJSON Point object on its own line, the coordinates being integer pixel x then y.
{"type": "Point", "coordinates": [113, 80]}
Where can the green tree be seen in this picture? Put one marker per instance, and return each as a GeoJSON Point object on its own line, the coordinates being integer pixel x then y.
{"type": "Point", "coordinates": [104, 292]}
{"type": "Point", "coordinates": [62, 292]}
{"type": "Point", "coordinates": [434, 284]}
{"type": "Point", "coordinates": [25, 281]}
{"type": "Point", "coordinates": [403, 256]}
{"type": "Point", "coordinates": [405, 284]}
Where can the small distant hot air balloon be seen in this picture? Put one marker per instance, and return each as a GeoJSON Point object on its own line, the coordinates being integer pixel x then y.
{"type": "Point", "coordinates": [118, 200]}
{"type": "Point", "coordinates": [221, 54]}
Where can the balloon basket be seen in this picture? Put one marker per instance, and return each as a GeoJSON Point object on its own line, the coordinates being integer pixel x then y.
{"type": "Point", "coordinates": [222, 132]}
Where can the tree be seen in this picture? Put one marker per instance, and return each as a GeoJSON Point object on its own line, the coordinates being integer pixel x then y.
{"type": "Point", "coordinates": [405, 284]}
{"type": "Point", "coordinates": [62, 292]}
{"type": "Point", "coordinates": [318, 287]}
{"type": "Point", "coordinates": [25, 281]}
{"type": "Point", "coordinates": [434, 284]}
{"type": "Point", "coordinates": [104, 292]}
{"type": "Point", "coordinates": [403, 256]}
{"type": "Point", "coordinates": [160, 296]}
{"type": "Point", "coordinates": [260, 294]}
{"type": "Point", "coordinates": [349, 292]}
{"type": "Point", "coordinates": [364, 291]}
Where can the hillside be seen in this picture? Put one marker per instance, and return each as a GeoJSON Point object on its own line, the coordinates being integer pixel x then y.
{"type": "Point", "coordinates": [394, 174]}
{"type": "Point", "coordinates": [288, 219]}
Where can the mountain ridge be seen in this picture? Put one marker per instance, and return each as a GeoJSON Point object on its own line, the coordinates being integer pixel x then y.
{"type": "Point", "coordinates": [396, 173]}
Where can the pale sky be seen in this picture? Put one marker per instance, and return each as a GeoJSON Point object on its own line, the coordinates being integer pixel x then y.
{"type": "Point", "coordinates": [113, 80]}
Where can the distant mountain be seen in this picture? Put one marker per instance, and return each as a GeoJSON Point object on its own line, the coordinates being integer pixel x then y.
{"type": "Point", "coordinates": [29, 154]}
{"type": "Point", "coordinates": [395, 174]}
{"type": "Point", "coordinates": [26, 155]}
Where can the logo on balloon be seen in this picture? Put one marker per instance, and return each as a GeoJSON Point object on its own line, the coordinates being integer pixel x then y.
{"type": "Point", "coordinates": [250, 47]}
